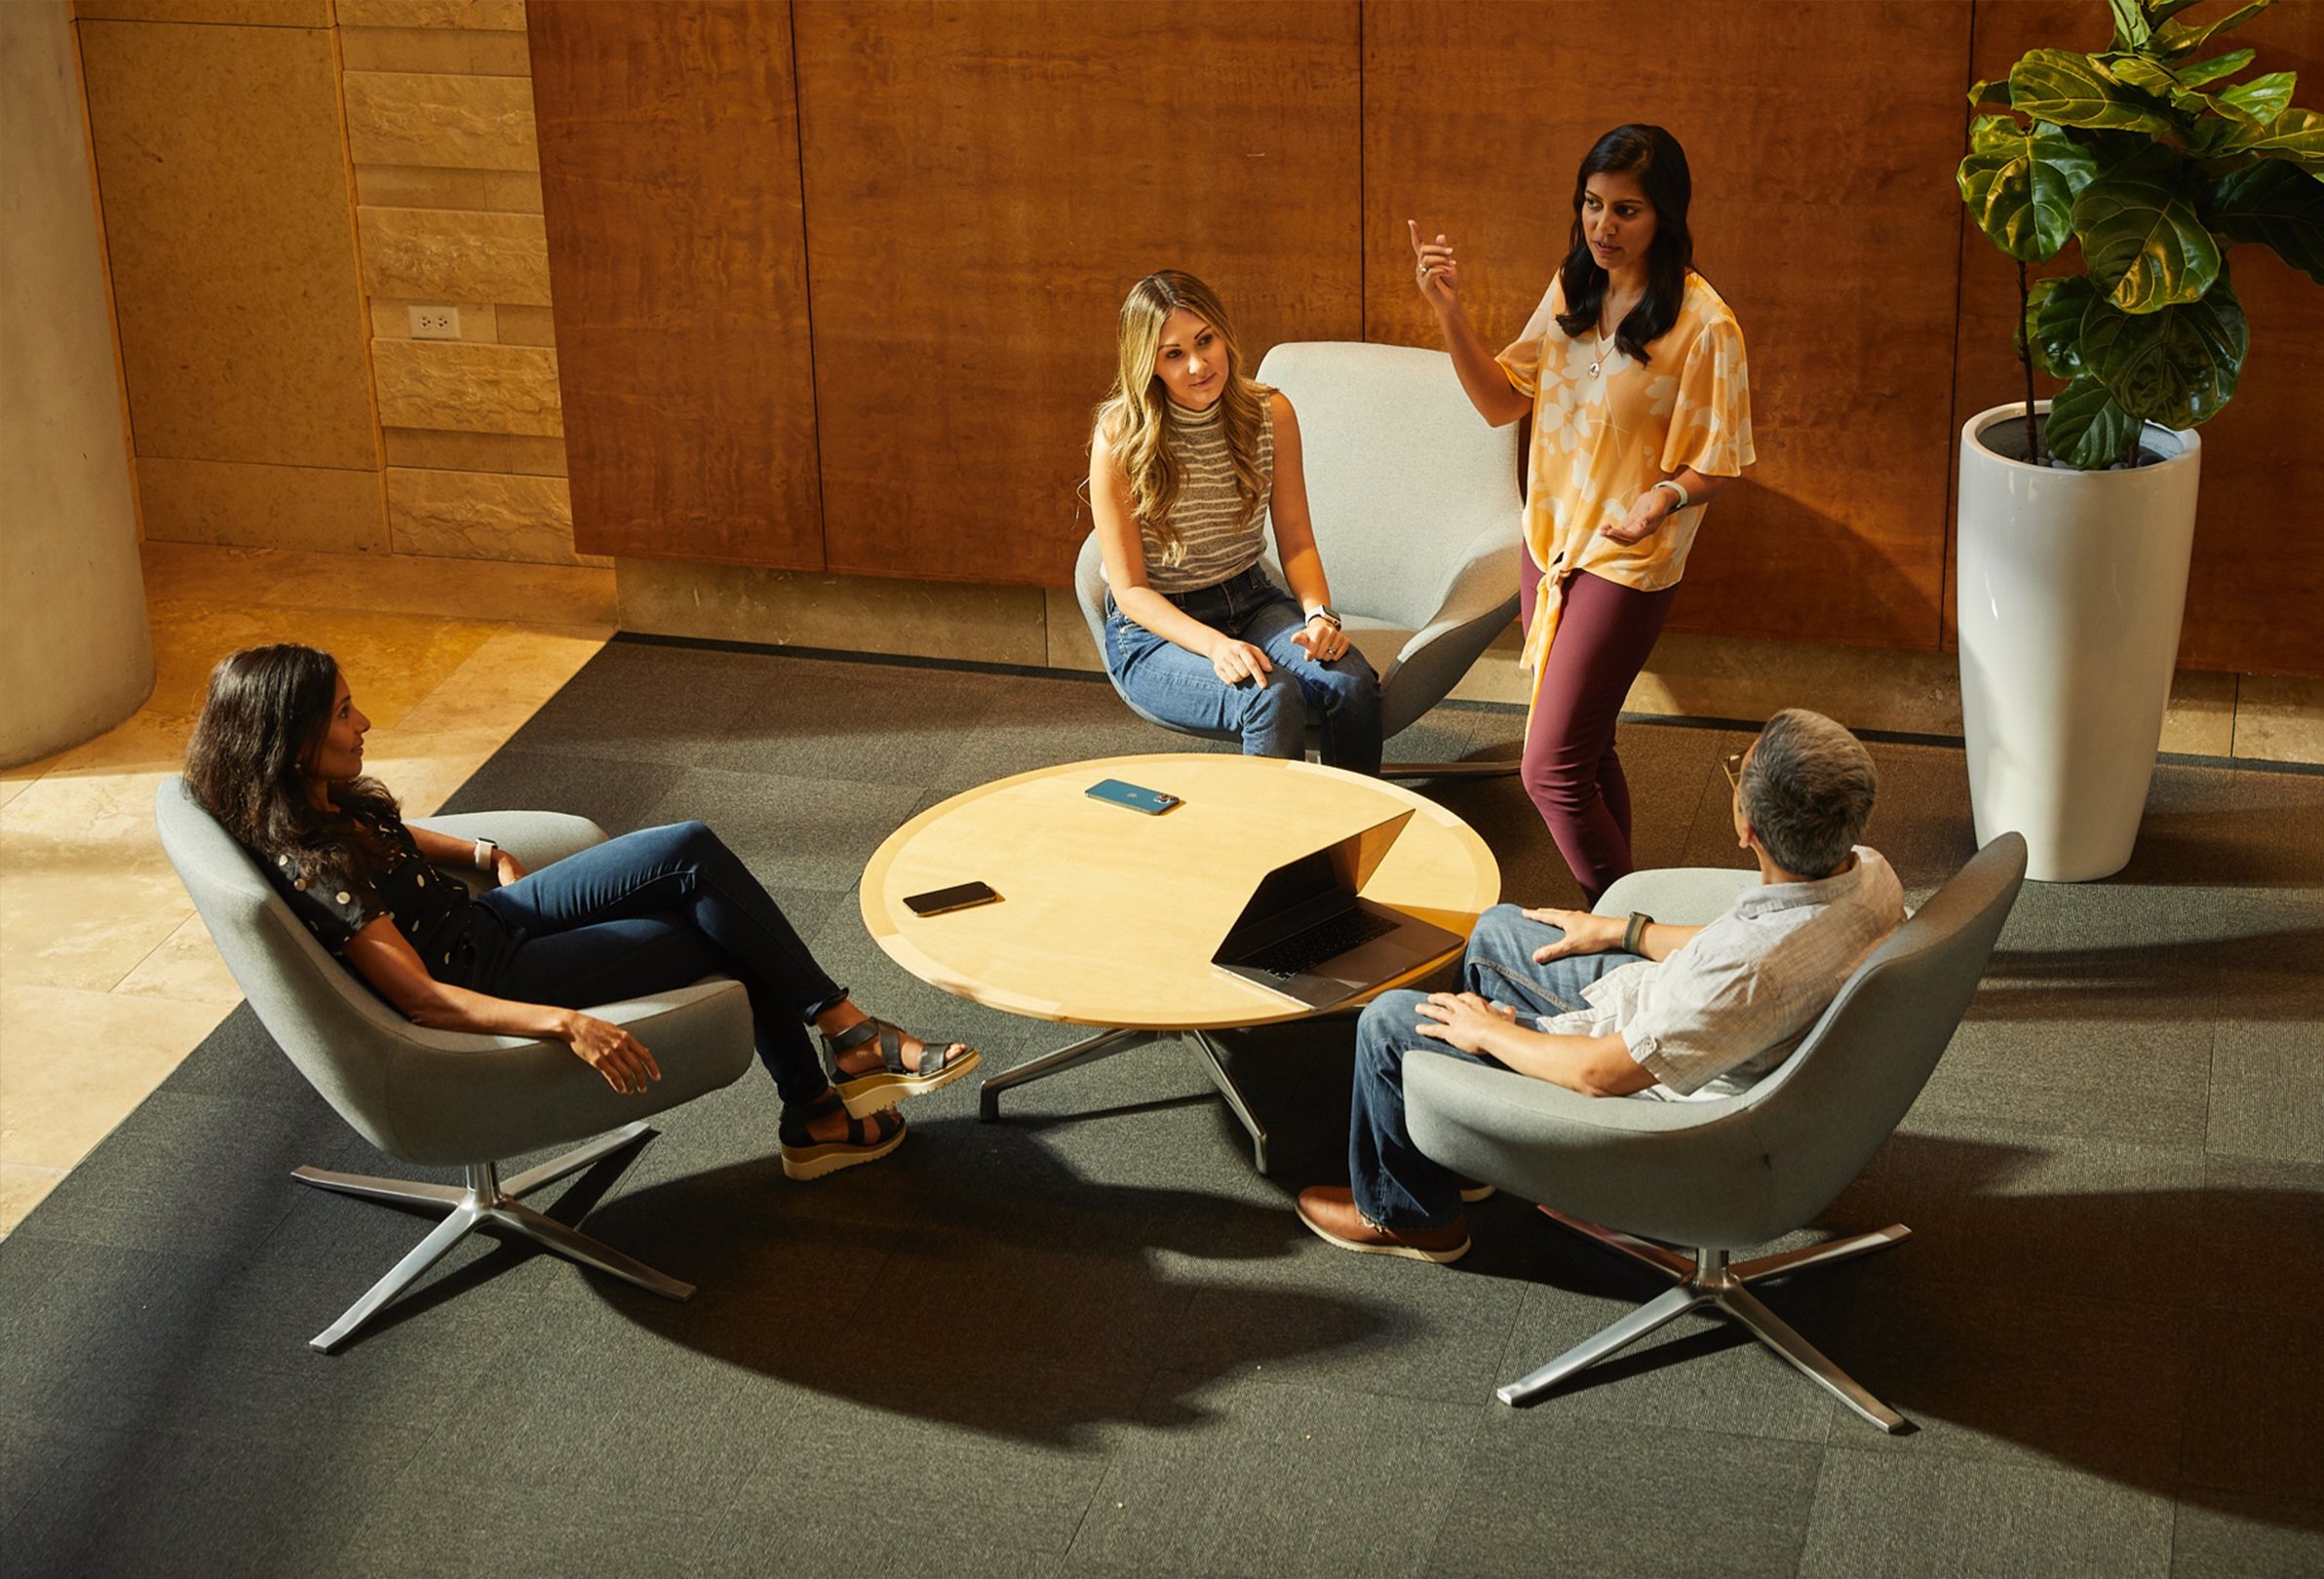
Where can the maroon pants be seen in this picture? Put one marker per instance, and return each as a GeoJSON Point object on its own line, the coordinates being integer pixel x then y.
{"type": "Point", "coordinates": [1605, 634]}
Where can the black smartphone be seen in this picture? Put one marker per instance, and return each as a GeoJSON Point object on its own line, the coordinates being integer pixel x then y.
{"type": "Point", "coordinates": [1153, 802]}
{"type": "Point", "coordinates": [958, 897]}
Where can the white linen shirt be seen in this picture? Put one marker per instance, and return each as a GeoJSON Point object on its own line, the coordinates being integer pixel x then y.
{"type": "Point", "coordinates": [1740, 995]}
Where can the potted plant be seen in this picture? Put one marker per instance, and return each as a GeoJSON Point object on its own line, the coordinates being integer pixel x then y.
{"type": "Point", "coordinates": [2076, 515]}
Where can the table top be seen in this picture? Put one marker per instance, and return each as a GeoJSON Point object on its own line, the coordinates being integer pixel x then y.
{"type": "Point", "coordinates": [1110, 917]}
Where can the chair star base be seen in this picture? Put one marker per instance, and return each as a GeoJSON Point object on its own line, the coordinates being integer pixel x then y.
{"type": "Point", "coordinates": [485, 1203]}
{"type": "Point", "coordinates": [1710, 1279]}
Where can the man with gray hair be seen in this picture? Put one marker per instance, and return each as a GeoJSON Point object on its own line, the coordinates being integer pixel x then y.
{"type": "Point", "coordinates": [1610, 1006]}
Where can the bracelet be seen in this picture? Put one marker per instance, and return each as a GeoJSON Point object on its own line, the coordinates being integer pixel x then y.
{"type": "Point", "coordinates": [486, 854]}
{"type": "Point", "coordinates": [1635, 932]}
{"type": "Point", "coordinates": [1675, 488]}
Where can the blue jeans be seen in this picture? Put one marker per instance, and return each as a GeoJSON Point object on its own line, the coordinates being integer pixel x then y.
{"type": "Point", "coordinates": [649, 911]}
{"type": "Point", "coordinates": [1396, 1184]}
{"type": "Point", "coordinates": [1182, 688]}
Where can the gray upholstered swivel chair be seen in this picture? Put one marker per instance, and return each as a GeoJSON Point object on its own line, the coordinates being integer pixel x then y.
{"type": "Point", "coordinates": [1716, 1177]}
{"type": "Point", "coordinates": [1416, 513]}
{"type": "Point", "coordinates": [448, 1099]}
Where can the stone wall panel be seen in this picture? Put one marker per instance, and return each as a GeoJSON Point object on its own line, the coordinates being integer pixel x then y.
{"type": "Point", "coordinates": [506, 15]}
{"type": "Point", "coordinates": [480, 516]}
{"type": "Point", "coordinates": [423, 254]}
{"type": "Point", "coordinates": [467, 388]}
{"type": "Point", "coordinates": [452, 121]}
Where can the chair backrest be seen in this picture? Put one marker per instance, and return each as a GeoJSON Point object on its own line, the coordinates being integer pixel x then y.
{"type": "Point", "coordinates": [1402, 475]}
{"type": "Point", "coordinates": [1820, 1117]}
{"type": "Point", "coordinates": [341, 1035]}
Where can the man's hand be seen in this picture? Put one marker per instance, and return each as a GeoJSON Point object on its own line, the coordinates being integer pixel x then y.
{"type": "Point", "coordinates": [1463, 1019]}
{"type": "Point", "coordinates": [1585, 933]}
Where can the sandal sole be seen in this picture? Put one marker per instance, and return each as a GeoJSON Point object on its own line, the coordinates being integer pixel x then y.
{"type": "Point", "coordinates": [804, 1162]}
{"type": "Point", "coordinates": [867, 1095]}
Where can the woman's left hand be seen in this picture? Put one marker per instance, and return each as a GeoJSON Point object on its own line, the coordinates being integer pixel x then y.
{"type": "Point", "coordinates": [1323, 640]}
{"type": "Point", "coordinates": [506, 868]}
{"type": "Point", "coordinates": [1654, 507]}
{"type": "Point", "coordinates": [1463, 1019]}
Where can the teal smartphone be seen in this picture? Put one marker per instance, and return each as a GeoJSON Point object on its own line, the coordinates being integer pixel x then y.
{"type": "Point", "coordinates": [1152, 802]}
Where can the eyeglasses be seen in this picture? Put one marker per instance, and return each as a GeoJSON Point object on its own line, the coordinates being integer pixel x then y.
{"type": "Point", "coordinates": [1733, 765]}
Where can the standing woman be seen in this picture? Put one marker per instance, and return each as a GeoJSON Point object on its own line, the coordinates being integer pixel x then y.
{"type": "Point", "coordinates": [1191, 460]}
{"type": "Point", "coordinates": [1633, 369]}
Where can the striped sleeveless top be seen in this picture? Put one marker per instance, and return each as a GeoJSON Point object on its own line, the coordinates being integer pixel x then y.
{"type": "Point", "coordinates": [1205, 510]}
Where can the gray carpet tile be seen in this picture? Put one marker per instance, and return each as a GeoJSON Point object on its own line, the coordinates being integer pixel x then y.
{"type": "Point", "coordinates": [1551, 1493]}
{"type": "Point", "coordinates": [1878, 1514]}
{"type": "Point", "coordinates": [1246, 1477]}
{"type": "Point", "coordinates": [2247, 1538]}
{"type": "Point", "coordinates": [1090, 1339]}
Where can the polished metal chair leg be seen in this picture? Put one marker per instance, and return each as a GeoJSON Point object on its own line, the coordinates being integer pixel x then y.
{"type": "Point", "coordinates": [1214, 1064]}
{"type": "Point", "coordinates": [1103, 1045]}
{"type": "Point", "coordinates": [1658, 1312]}
{"type": "Point", "coordinates": [485, 1201]}
{"type": "Point", "coordinates": [1711, 1280]}
{"type": "Point", "coordinates": [1777, 1335]}
{"type": "Point", "coordinates": [1824, 1254]}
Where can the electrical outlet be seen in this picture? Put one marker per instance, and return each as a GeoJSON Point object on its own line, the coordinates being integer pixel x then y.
{"type": "Point", "coordinates": [435, 322]}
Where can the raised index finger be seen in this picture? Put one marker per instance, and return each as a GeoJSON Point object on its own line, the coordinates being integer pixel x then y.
{"type": "Point", "coordinates": [1413, 225]}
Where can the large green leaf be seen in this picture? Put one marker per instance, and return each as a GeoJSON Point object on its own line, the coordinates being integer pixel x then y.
{"type": "Point", "coordinates": [2177, 367]}
{"type": "Point", "coordinates": [2295, 134]}
{"type": "Point", "coordinates": [1989, 93]}
{"type": "Point", "coordinates": [2020, 187]}
{"type": "Point", "coordinates": [2055, 310]}
{"type": "Point", "coordinates": [2144, 75]}
{"type": "Point", "coordinates": [2177, 38]}
{"type": "Point", "coordinates": [2086, 428]}
{"type": "Point", "coordinates": [2071, 90]}
{"type": "Point", "coordinates": [2145, 244]}
{"type": "Point", "coordinates": [2218, 66]}
{"type": "Point", "coordinates": [2263, 99]}
{"type": "Point", "coordinates": [2272, 203]}
{"type": "Point", "coordinates": [2132, 31]}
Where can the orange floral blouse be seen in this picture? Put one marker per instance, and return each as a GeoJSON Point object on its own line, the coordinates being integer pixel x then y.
{"type": "Point", "coordinates": [1602, 440]}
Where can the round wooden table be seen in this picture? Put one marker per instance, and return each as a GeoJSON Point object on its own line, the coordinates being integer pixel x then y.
{"type": "Point", "coordinates": [1108, 917]}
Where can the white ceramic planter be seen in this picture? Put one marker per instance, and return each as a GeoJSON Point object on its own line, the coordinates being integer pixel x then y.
{"type": "Point", "coordinates": [2071, 589]}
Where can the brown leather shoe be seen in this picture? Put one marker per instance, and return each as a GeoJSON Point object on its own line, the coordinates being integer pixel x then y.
{"type": "Point", "coordinates": [1329, 1209]}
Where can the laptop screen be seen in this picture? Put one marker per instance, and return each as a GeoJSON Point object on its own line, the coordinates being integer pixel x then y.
{"type": "Point", "coordinates": [1302, 892]}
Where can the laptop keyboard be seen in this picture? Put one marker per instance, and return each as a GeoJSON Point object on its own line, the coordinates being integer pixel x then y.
{"type": "Point", "coordinates": [1303, 952]}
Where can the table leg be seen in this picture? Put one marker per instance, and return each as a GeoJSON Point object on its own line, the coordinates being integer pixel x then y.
{"type": "Point", "coordinates": [1215, 1065]}
{"type": "Point", "coordinates": [1103, 1045]}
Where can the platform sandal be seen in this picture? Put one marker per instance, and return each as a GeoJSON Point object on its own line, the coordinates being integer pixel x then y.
{"type": "Point", "coordinates": [886, 1086]}
{"type": "Point", "coordinates": [868, 1139]}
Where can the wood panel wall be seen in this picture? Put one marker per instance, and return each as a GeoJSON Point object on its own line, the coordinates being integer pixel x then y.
{"type": "Point", "coordinates": [852, 313]}
{"type": "Point", "coordinates": [670, 181]}
{"type": "Point", "coordinates": [985, 180]}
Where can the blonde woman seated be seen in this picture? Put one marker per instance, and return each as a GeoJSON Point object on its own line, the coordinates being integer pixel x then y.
{"type": "Point", "coordinates": [277, 757]}
{"type": "Point", "coordinates": [1189, 462]}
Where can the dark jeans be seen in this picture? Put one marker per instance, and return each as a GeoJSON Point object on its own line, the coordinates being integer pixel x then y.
{"type": "Point", "coordinates": [656, 910]}
{"type": "Point", "coordinates": [1271, 718]}
{"type": "Point", "coordinates": [1396, 1184]}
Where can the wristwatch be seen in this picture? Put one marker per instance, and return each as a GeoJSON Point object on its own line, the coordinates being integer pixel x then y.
{"type": "Point", "coordinates": [487, 854]}
{"type": "Point", "coordinates": [1325, 615]}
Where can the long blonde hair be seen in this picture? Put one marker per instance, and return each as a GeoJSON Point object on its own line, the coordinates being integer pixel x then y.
{"type": "Point", "coordinates": [1134, 420]}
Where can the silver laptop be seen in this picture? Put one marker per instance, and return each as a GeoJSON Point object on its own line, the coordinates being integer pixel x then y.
{"type": "Point", "coordinates": [1308, 933]}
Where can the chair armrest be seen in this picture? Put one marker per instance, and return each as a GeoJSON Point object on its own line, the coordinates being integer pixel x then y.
{"type": "Point", "coordinates": [538, 839]}
{"type": "Point", "coordinates": [1681, 896]}
{"type": "Point", "coordinates": [1481, 582]}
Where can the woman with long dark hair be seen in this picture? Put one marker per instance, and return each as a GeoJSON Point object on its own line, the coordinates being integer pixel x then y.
{"type": "Point", "coordinates": [276, 759]}
{"type": "Point", "coordinates": [1190, 463]}
{"type": "Point", "coordinates": [1633, 371]}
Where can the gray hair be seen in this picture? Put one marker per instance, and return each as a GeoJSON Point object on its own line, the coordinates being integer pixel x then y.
{"type": "Point", "coordinates": [1808, 792]}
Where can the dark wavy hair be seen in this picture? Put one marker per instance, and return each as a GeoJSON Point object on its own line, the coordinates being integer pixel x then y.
{"type": "Point", "coordinates": [1654, 157]}
{"type": "Point", "coordinates": [267, 712]}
